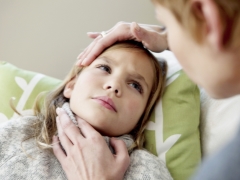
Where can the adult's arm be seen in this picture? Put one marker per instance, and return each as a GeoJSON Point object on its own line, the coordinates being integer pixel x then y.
{"type": "Point", "coordinates": [87, 155]}
{"type": "Point", "coordinates": [153, 38]}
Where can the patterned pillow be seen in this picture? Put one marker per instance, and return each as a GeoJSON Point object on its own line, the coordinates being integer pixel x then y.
{"type": "Point", "coordinates": [24, 86]}
{"type": "Point", "coordinates": [172, 134]}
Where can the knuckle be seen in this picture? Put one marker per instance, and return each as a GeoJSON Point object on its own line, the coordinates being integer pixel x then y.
{"type": "Point", "coordinates": [65, 126]}
{"type": "Point", "coordinates": [81, 123]}
{"type": "Point", "coordinates": [65, 166]}
{"type": "Point", "coordinates": [78, 146]}
{"type": "Point", "coordinates": [120, 142]}
{"type": "Point", "coordinates": [65, 122]}
{"type": "Point", "coordinates": [97, 39]}
{"type": "Point", "coordinates": [56, 151]}
{"type": "Point", "coordinates": [95, 137]}
{"type": "Point", "coordinates": [60, 133]}
{"type": "Point", "coordinates": [102, 46]}
{"type": "Point", "coordinates": [122, 24]}
{"type": "Point", "coordinates": [95, 55]}
{"type": "Point", "coordinates": [119, 23]}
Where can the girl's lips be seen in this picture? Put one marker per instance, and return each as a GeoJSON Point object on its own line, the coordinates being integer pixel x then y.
{"type": "Point", "coordinates": [106, 102]}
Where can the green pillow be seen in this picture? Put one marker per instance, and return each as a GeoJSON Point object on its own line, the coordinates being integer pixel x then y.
{"type": "Point", "coordinates": [173, 131]}
{"type": "Point", "coordinates": [24, 86]}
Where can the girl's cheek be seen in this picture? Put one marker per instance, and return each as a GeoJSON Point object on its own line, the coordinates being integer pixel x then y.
{"type": "Point", "coordinates": [134, 105]}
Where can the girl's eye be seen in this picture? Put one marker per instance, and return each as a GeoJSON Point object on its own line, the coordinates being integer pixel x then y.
{"type": "Point", "coordinates": [137, 86]}
{"type": "Point", "coordinates": [104, 67]}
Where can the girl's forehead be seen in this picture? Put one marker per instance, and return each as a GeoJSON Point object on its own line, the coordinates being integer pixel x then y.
{"type": "Point", "coordinates": [125, 55]}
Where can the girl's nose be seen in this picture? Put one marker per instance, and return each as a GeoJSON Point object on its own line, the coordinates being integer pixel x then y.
{"type": "Point", "coordinates": [114, 87]}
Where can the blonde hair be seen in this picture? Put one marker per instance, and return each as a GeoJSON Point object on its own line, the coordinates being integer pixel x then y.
{"type": "Point", "coordinates": [229, 12]}
{"type": "Point", "coordinates": [46, 127]}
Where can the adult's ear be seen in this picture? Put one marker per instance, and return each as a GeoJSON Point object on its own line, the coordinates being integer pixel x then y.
{"type": "Point", "coordinates": [69, 88]}
{"type": "Point", "coordinates": [208, 11]}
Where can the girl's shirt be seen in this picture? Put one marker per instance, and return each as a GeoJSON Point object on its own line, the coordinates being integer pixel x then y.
{"type": "Point", "coordinates": [20, 157]}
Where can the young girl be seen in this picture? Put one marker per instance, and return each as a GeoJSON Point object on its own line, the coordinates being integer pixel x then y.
{"type": "Point", "coordinates": [115, 95]}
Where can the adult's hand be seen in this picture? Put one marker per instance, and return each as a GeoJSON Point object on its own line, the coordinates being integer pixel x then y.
{"type": "Point", "coordinates": [87, 155]}
{"type": "Point", "coordinates": [153, 38]}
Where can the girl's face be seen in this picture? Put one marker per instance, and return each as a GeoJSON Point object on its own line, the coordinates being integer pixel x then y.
{"type": "Point", "coordinates": [111, 93]}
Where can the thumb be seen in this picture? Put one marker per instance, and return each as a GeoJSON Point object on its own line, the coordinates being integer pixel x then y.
{"type": "Point", "coordinates": [137, 31]}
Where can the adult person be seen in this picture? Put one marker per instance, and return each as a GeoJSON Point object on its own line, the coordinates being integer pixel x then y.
{"type": "Point", "coordinates": [204, 36]}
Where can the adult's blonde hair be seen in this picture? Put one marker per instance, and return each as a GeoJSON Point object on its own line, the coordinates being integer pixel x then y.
{"type": "Point", "coordinates": [229, 12]}
{"type": "Point", "coordinates": [46, 127]}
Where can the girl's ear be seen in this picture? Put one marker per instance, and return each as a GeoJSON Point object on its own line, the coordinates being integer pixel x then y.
{"type": "Point", "coordinates": [69, 88]}
{"type": "Point", "coordinates": [214, 32]}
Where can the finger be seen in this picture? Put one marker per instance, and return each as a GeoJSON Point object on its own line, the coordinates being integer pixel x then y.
{"type": "Point", "coordinates": [57, 150]}
{"type": "Point", "coordinates": [68, 128]}
{"type": "Point", "coordinates": [86, 129]}
{"type": "Point", "coordinates": [90, 47]}
{"type": "Point", "coordinates": [99, 46]}
{"type": "Point", "coordinates": [121, 152]}
{"type": "Point", "coordinates": [157, 28]}
{"type": "Point", "coordinates": [88, 50]}
{"type": "Point", "coordinates": [121, 31]}
{"type": "Point", "coordinates": [140, 33]}
{"type": "Point", "coordinates": [80, 56]}
{"type": "Point", "coordinates": [93, 35]}
{"type": "Point", "coordinates": [154, 40]}
{"type": "Point", "coordinates": [64, 140]}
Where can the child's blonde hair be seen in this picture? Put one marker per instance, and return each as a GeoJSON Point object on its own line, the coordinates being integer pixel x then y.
{"type": "Point", "coordinates": [228, 10]}
{"type": "Point", "coordinates": [46, 127]}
